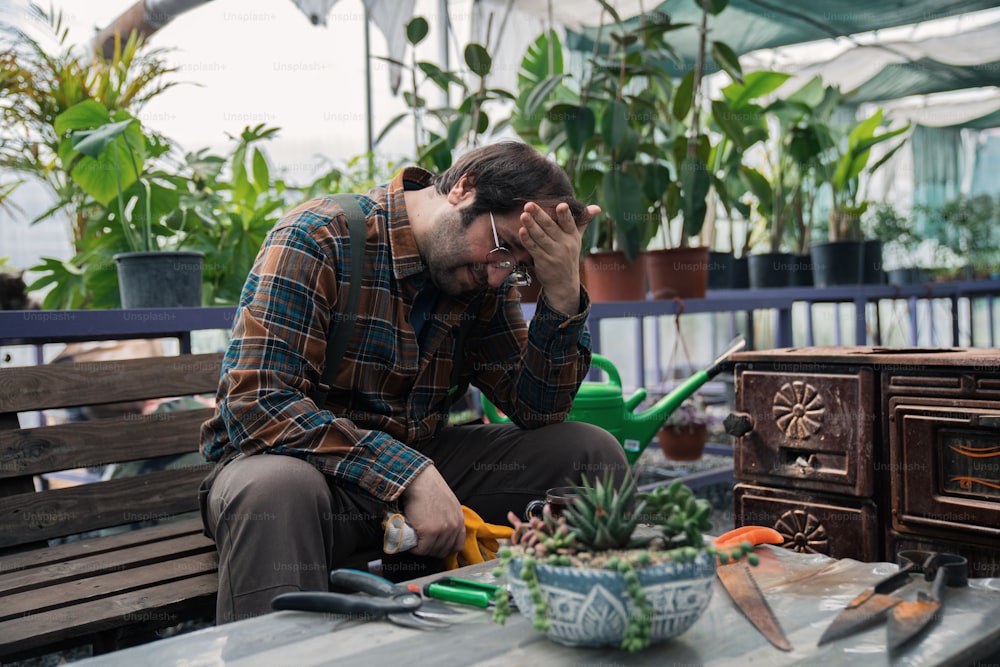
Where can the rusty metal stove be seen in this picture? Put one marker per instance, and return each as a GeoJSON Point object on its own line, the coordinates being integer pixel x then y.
{"type": "Point", "coordinates": [858, 452]}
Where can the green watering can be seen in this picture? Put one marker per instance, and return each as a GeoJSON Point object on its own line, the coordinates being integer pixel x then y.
{"type": "Point", "coordinates": [603, 404]}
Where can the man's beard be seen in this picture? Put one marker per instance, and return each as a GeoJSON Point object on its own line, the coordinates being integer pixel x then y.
{"type": "Point", "coordinates": [449, 240]}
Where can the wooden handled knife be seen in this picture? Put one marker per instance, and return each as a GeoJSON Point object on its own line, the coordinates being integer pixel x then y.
{"type": "Point", "coordinates": [737, 579]}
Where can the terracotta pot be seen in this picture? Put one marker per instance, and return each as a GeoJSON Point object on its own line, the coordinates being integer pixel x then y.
{"type": "Point", "coordinates": [677, 272]}
{"type": "Point", "coordinates": [685, 443]}
{"type": "Point", "coordinates": [609, 276]}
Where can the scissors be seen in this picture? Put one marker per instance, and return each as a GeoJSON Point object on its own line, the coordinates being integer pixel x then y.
{"type": "Point", "coordinates": [365, 595]}
{"type": "Point", "coordinates": [908, 618]}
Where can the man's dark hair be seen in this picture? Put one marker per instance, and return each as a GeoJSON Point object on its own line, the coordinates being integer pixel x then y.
{"type": "Point", "coordinates": [507, 175]}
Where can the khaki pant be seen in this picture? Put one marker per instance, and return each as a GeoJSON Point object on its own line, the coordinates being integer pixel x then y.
{"type": "Point", "coordinates": [279, 525]}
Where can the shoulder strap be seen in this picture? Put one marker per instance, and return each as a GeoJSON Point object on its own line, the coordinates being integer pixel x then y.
{"type": "Point", "coordinates": [338, 336]}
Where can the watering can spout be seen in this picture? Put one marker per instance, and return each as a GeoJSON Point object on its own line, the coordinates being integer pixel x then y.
{"type": "Point", "coordinates": [644, 425]}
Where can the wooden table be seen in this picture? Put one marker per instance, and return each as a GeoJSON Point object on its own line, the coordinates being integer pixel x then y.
{"type": "Point", "coordinates": [805, 591]}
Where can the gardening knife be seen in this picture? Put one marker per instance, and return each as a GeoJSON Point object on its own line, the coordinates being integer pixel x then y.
{"type": "Point", "coordinates": [742, 587]}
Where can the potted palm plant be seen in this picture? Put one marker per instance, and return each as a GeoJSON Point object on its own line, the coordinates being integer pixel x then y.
{"type": "Point", "coordinates": [586, 579]}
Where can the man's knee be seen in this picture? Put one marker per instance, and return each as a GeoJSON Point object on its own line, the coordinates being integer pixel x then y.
{"type": "Point", "coordinates": [267, 486]}
{"type": "Point", "coordinates": [594, 449]}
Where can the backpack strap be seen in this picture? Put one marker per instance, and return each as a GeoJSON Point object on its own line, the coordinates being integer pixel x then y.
{"type": "Point", "coordinates": [338, 337]}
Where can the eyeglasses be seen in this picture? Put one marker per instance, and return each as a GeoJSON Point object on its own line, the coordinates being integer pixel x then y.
{"type": "Point", "coordinates": [501, 260]}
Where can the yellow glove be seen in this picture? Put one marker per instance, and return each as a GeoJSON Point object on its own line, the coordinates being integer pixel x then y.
{"type": "Point", "coordinates": [481, 541]}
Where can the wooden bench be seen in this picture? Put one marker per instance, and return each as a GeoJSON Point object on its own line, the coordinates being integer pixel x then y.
{"type": "Point", "coordinates": [64, 580]}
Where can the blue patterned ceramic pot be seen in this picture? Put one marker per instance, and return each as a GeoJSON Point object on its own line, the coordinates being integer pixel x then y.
{"type": "Point", "coordinates": [590, 607]}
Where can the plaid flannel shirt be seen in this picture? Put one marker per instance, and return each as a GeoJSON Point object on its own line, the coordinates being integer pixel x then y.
{"type": "Point", "coordinates": [389, 395]}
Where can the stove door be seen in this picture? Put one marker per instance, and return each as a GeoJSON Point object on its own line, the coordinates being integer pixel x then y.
{"type": "Point", "coordinates": [944, 466]}
{"type": "Point", "coordinates": [806, 426]}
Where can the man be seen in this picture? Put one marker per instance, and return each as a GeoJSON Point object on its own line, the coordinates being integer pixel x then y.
{"type": "Point", "coordinates": [440, 255]}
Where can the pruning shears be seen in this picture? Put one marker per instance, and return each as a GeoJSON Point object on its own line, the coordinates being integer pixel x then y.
{"type": "Point", "coordinates": [366, 596]}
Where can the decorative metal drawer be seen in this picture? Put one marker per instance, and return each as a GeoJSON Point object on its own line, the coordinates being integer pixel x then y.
{"type": "Point", "coordinates": [813, 522]}
{"type": "Point", "coordinates": [813, 431]}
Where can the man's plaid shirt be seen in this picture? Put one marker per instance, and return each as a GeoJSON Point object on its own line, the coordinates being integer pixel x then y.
{"type": "Point", "coordinates": [389, 396]}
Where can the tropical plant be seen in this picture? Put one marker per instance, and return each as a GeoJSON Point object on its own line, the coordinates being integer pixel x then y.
{"type": "Point", "coordinates": [439, 131]}
{"type": "Point", "coordinates": [41, 79]}
{"type": "Point", "coordinates": [967, 230]}
{"type": "Point", "coordinates": [784, 188]}
{"type": "Point", "coordinates": [597, 531]}
{"type": "Point", "coordinates": [900, 240]}
{"type": "Point", "coordinates": [849, 154]}
{"type": "Point", "coordinates": [611, 129]}
{"type": "Point", "coordinates": [629, 135]}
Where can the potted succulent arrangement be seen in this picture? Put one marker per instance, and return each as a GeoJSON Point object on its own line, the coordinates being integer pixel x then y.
{"type": "Point", "coordinates": [585, 578]}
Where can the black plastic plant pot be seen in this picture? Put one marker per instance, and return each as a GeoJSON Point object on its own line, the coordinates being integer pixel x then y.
{"type": "Point", "coordinates": [837, 263]}
{"type": "Point", "coordinates": [166, 279]}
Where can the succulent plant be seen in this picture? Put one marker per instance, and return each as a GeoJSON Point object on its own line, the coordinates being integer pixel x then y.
{"type": "Point", "coordinates": [604, 517]}
{"type": "Point", "coordinates": [683, 518]}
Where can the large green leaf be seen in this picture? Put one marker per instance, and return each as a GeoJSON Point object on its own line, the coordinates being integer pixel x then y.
{"type": "Point", "coordinates": [695, 184]}
{"type": "Point", "coordinates": [579, 122]}
{"type": "Point", "coordinates": [478, 59]}
{"type": "Point", "coordinates": [755, 85]}
{"type": "Point", "coordinates": [542, 60]}
{"type": "Point", "coordinates": [713, 7]}
{"type": "Point", "coordinates": [683, 96]}
{"type": "Point", "coordinates": [416, 30]}
{"type": "Point", "coordinates": [622, 196]}
{"type": "Point", "coordinates": [614, 123]}
{"type": "Point", "coordinates": [811, 94]}
{"type": "Point", "coordinates": [261, 172]}
{"type": "Point", "coordinates": [84, 115]}
{"type": "Point", "coordinates": [94, 142]}
{"type": "Point", "coordinates": [727, 59]}
{"type": "Point", "coordinates": [655, 181]}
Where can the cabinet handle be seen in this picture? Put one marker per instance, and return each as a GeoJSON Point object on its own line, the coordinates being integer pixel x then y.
{"type": "Point", "coordinates": [738, 424]}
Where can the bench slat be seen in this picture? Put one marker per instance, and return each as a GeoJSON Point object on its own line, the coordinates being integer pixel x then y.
{"type": "Point", "coordinates": [109, 584]}
{"type": "Point", "coordinates": [99, 442]}
{"type": "Point", "coordinates": [55, 574]}
{"type": "Point", "coordinates": [98, 545]}
{"type": "Point", "coordinates": [31, 517]}
{"type": "Point", "coordinates": [64, 385]}
{"type": "Point", "coordinates": [148, 606]}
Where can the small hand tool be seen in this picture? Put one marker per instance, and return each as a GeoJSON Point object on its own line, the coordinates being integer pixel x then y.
{"type": "Point", "coordinates": [381, 599]}
{"type": "Point", "coordinates": [465, 591]}
{"type": "Point", "coordinates": [872, 605]}
{"type": "Point", "coordinates": [910, 618]}
{"type": "Point", "coordinates": [741, 586]}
